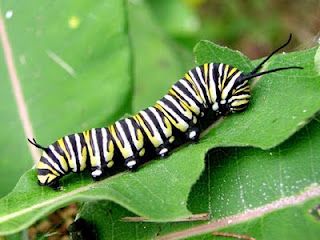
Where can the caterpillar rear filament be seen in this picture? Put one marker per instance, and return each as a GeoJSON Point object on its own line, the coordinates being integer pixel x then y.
{"type": "Point", "coordinates": [192, 104]}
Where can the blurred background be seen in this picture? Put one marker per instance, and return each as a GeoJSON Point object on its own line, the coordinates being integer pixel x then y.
{"type": "Point", "coordinates": [252, 26]}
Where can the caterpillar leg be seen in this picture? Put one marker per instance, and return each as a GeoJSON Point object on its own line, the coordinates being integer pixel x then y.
{"type": "Point", "coordinates": [131, 163]}
{"type": "Point", "coordinates": [193, 134]}
{"type": "Point", "coordinates": [96, 173]}
{"type": "Point", "coordinates": [163, 150]}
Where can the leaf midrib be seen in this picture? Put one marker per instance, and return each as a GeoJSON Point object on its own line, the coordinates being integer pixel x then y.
{"type": "Point", "coordinates": [311, 192]}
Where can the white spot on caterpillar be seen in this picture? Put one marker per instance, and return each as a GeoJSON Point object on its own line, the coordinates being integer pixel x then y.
{"type": "Point", "coordinates": [215, 106]}
{"type": "Point", "coordinates": [163, 151]}
{"type": "Point", "coordinates": [223, 101]}
{"type": "Point", "coordinates": [192, 134]}
{"type": "Point", "coordinates": [9, 14]}
{"type": "Point", "coordinates": [194, 120]}
{"type": "Point", "coordinates": [304, 110]}
{"type": "Point", "coordinates": [131, 163]}
{"type": "Point", "coordinates": [96, 173]}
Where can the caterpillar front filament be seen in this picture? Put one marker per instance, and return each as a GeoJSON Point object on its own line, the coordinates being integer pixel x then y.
{"type": "Point", "coordinates": [192, 104]}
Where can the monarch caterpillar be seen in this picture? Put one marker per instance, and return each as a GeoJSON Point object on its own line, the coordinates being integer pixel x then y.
{"type": "Point", "coordinates": [191, 105]}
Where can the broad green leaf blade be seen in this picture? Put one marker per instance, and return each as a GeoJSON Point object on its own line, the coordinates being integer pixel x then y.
{"type": "Point", "coordinates": [157, 64]}
{"type": "Point", "coordinates": [107, 222]}
{"type": "Point", "coordinates": [12, 140]}
{"type": "Point", "coordinates": [229, 191]}
{"type": "Point", "coordinates": [271, 191]}
{"type": "Point", "coordinates": [207, 52]}
{"type": "Point", "coordinates": [281, 102]}
{"type": "Point", "coordinates": [73, 64]}
{"type": "Point", "coordinates": [238, 181]}
{"type": "Point", "coordinates": [294, 222]}
{"type": "Point", "coordinates": [252, 177]}
{"type": "Point", "coordinates": [153, 198]}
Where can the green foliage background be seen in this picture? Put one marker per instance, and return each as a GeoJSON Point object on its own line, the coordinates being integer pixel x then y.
{"type": "Point", "coordinates": [124, 56]}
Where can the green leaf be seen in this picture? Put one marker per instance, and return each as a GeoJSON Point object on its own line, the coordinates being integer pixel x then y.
{"type": "Point", "coordinates": [252, 177]}
{"type": "Point", "coordinates": [152, 198]}
{"type": "Point", "coordinates": [69, 65]}
{"type": "Point", "coordinates": [238, 179]}
{"type": "Point", "coordinates": [13, 142]}
{"type": "Point", "coordinates": [295, 222]}
{"type": "Point", "coordinates": [107, 222]}
{"type": "Point", "coordinates": [281, 102]}
{"type": "Point", "coordinates": [207, 52]}
{"type": "Point", "coordinates": [274, 191]}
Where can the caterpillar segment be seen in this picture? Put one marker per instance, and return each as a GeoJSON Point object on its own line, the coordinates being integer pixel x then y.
{"type": "Point", "coordinates": [129, 139]}
{"type": "Point", "coordinates": [199, 80]}
{"type": "Point", "coordinates": [180, 116]}
{"type": "Point", "coordinates": [157, 128]}
{"type": "Point", "coordinates": [100, 151]}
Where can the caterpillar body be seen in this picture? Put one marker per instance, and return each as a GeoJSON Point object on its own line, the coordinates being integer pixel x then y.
{"type": "Point", "coordinates": [193, 103]}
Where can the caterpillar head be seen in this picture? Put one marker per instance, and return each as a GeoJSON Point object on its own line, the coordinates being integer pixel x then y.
{"type": "Point", "coordinates": [236, 93]}
{"type": "Point", "coordinates": [47, 174]}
